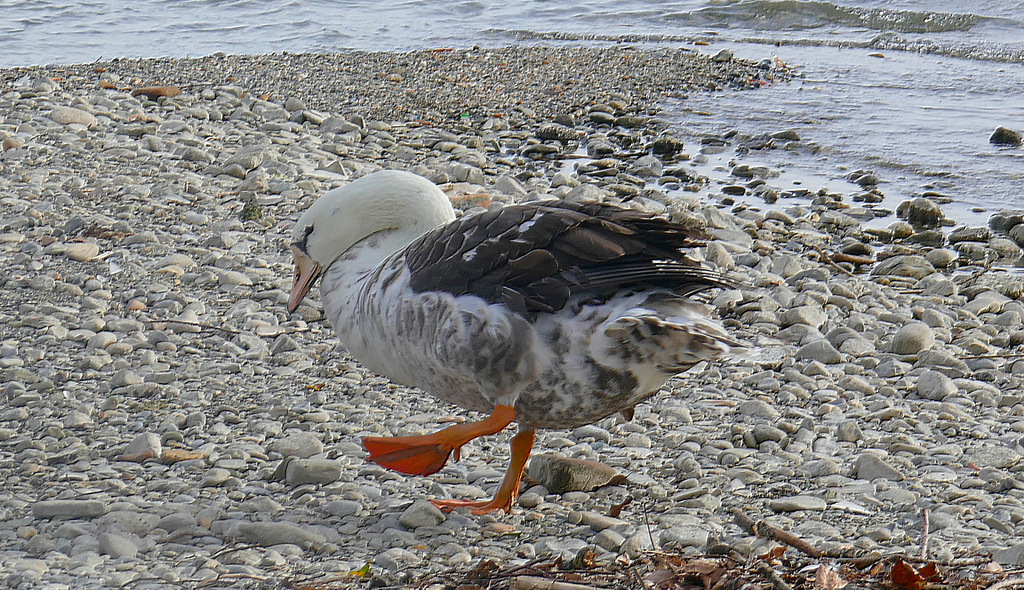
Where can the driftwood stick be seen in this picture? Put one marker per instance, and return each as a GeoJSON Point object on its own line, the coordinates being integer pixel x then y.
{"type": "Point", "coordinates": [828, 259]}
{"type": "Point", "coordinates": [924, 536]}
{"type": "Point", "coordinates": [535, 583]}
{"type": "Point", "coordinates": [763, 529]}
{"type": "Point", "coordinates": [1001, 355]}
{"type": "Point", "coordinates": [771, 577]}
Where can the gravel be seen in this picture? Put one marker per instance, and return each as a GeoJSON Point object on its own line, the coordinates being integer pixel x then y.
{"type": "Point", "coordinates": [166, 422]}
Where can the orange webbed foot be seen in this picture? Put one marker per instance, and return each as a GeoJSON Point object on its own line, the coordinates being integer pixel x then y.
{"type": "Point", "coordinates": [407, 455]}
{"type": "Point", "coordinates": [508, 491]}
{"type": "Point", "coordinates": [426, 454]}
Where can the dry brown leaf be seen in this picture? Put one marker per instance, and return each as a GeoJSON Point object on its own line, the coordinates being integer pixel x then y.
{"type": "Point", "coordinates": [903, 575]}
{"type": "Point", "coordinates": [175, 455]}
{"type": "Point", "coordinates": [662, 577]}
{"type": "Point", "coordinates": [826, 578]}
{"type": "Point", "coordinates": [774, 554]}
{"type": "Point", "coordinates": [616, 510]}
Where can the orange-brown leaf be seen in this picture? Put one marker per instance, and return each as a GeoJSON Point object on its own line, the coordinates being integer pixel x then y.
{"type": "Point", "coordinates": [775, 553]}
{"type": "Point", "coordinates": [662, 577]}
{"type": "Point", "coordinates": [904, 575]}
{"type": "Point", "coordinates": [826, 578]}
{"type": "Point", "coordinates": [929, 571]}
{"type": "Point", "coordinates": [175, 455]}
{"type": "Point", "coordinates": [616, 510]}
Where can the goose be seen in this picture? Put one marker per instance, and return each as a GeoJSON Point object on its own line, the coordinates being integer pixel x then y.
{"type": "Point", "coordinates": [551, 314]}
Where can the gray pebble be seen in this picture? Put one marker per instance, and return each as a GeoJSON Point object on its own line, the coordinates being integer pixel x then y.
{"type": "Point", "coordinates": [421, 513]}
{"type": "Point", "coordinates": [268, 534]}
{"type": "Point", "coordinates": [68, 509]}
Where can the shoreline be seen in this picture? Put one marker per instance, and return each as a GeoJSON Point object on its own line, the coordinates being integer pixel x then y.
{"type": "Point", "coordinates": [156, 385]}
{"type": "Point", "coordinates": [413, 84]}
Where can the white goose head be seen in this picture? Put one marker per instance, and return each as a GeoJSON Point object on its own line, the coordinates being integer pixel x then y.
{"type": "Point", "coordinates": [401, 203]}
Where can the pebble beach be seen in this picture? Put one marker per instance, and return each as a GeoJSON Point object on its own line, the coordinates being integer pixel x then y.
{"type": "Point", "coordinates": [164, 422]}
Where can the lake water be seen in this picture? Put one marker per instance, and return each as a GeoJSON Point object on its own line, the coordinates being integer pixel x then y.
{"type": "Point", "coordinates": [911, 89]}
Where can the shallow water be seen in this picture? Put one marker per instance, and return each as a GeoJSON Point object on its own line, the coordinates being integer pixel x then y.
{"type": "Point", "coordinates": [920, 115]}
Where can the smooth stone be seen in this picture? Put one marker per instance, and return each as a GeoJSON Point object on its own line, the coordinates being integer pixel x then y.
{"type": "Point", "coordinates": [987, 302]}
{"type": "Point", "coordinates": [1011, 556]}
{"type": "Point", "coordinates": [82, 251]}
{"type": "Point", "coordinates": [683, 536]}
{"type": "Point", "coordinates": [117, 546]}
{"type": "Point", "coordinates": [68, 509]}
{"type": "Point", "coordinates": [215, 477]}
{"type": "Point", "coordinates": [907, 265]}
{"type": "Point", "coordinates": [178, 520]}
{"type": "Point", "coordinates": [234, 277]}
{"type": "Point", "coordinates": [921, 211]}
{"type": "Point", "coordinates": [610, 540]}
{"type": "Point", "coordinates": [344, 508]}
{"type": "Point", "coordinates": [810, 315]}
{"type": "Point", "coordinates": [799, 502]}
{"type": "Point", "coordinates": [317, 471]}
{"type": "Point", "coordinates": [68, 115]}
{"type": "Point", "coordinates": [298, 444]}
{"type": "Point", "coordinates": [821, 351]}
{"type": "Point", "coordinates": [849, 431]}
{"type": "Point", "coordinates": [941, 257]}
{"type": "Point", "coordinates": [144, 446]}
{"type": "Point", "coordinates": [870, 466]}
{"type": "Point", "coordinates": [758, 408]}
{"type": "Point", "coordinates": [912, 338]}
{"type": "Point", "coordinates": [935, 386]}
{"type": "Point", "coordinates": [421, 513]}
{"type": "Point", "coordinates": [564, 474]}
{"type": "Point", "coordinates": [397, 559]}
{"type": "Point", "coordinates": [267, 534]}
{"type": "Point", "coordinates": [990, 455]}
{"type": "Point", "coordinates": [1006, 136]}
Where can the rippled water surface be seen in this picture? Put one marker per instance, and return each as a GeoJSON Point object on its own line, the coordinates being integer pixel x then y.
{"type": "Point", "coordinates": [910, 88]}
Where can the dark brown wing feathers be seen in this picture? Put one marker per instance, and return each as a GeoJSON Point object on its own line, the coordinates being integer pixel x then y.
{"type": "Point", "coordinates": [533, 257]}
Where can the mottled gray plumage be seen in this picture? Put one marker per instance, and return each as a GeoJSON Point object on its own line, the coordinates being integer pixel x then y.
{"type": "Point", "coordinates": [568, 312]}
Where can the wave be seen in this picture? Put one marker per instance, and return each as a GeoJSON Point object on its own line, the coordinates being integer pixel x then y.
{"type": "Point", "coordinates": [884, 41]}
{"type": "Point", "coordinates": [800, 15]}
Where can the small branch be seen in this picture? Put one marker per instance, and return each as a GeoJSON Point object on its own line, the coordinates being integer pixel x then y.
{"type": "Point", "coordinates": [1013, 583]}
{"type": "Point", "coordinates": [534, 583]}
{"type": "Point", "coordinates": [763, 529]}
{"type": "Point", "coordinates": [223, 577]}
{"type": "Point", "coordinates": [924, 536]}
{"type": "Point", "coordinates": [771, 577]}
{"type": "Point", "coordinates": [197, 324]}
{"type": "Point", "coordinates": [831, 262]}
{"type": "Point", "coordinates": [999, 355]}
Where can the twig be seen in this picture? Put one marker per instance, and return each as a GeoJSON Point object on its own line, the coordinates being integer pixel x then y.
{"type": "Point", "coordinates": [232, 577]}
{"type": "Point", "coordinates": [763, 529]}
{"type": "Point", "coordinates": [1000, 355]}
{"type": "Point", "coordinates": [831, 262]}
{"type": "Point", "coordinates": [534, 583]}
{"type": "Point", "coordinates": [643, 583]}
{"type": "Point", "coordinates": [192, 531]}
{"type": "Point", "coordinates": [647, 521]}
{"type": "Point", "coordinates": [184, 323]}
{"type": "Point", "coordinates": [227, 550]}
{"type": "Point", "coordinates": [1015, 582]}
{"type": "Point", "coordinates": [924, 536]}
{"type": "Point", "coordinates": [773, 578]}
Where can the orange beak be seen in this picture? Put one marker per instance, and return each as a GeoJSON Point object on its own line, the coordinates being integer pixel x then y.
{"type": "Point", "coordinates": [307, 271]}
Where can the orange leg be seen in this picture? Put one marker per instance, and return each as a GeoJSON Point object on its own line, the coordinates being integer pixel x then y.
{"type": "Point", "coordinates": [508, 491]}
{"type": "Point", "coordinates": [426, 454]}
